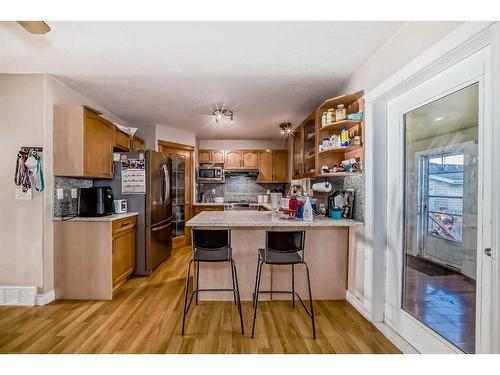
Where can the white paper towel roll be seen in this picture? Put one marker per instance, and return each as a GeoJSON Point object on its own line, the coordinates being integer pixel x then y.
{"type": "Point", "coordinates": [324, 187]}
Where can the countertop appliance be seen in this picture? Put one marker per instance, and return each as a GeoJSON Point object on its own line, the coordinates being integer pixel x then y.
{"type": "Point", "coordinates": [120, 206]}
{"type": "Point", "coordinates": [154, 207]}
{"type": "Point", "coordinates": [95, 201]}
{"type": "Point", "coordinates": [210, 174]}
{"type": "Point", "coordinates": [241, 206]}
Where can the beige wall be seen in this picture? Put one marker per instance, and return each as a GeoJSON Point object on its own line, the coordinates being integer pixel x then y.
{"type": "Point", "coordinates": [26, 244]}
{"type": "Point", "coordinates": [21, 221]}
{"type": "Point", "coordinates": [171, 134]}
{"type": "Point", "coordinates": [410, 41]}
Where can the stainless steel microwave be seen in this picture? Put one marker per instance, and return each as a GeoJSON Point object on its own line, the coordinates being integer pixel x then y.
{"type": "Point", "coordinates": [210, 174]}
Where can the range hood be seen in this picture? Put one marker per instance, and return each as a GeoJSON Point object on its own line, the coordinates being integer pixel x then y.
{"type": "Point", "coordinates": [239, 173]}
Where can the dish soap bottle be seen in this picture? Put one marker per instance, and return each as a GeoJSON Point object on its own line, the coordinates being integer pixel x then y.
{"type": "Point", "coordinates": [308, 212]}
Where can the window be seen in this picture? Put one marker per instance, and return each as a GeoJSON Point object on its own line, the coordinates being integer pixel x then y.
{"type": "Point", "coordinates": [443, 195]}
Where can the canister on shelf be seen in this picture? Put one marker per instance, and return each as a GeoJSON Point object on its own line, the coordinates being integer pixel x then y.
{"type": "Point", "coordinates": [340, 113]}
{"type": "Point", "coordinates": [356, 141]}
{"type": "Point", "coordinates": [325, 143]}
{"type": "Point", "coordinates": [323, 119]}
{"type": "Point", "coordinates": [330, 116]}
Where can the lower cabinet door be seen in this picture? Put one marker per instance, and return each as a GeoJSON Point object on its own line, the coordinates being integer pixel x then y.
{"type": "Point", "coordinates": [123, 256]}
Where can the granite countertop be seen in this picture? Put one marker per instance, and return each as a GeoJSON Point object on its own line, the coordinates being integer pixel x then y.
{"type": "Point", "coordinates": [112, 217]}
{"type": "Point", "coordinates": [261, 219]}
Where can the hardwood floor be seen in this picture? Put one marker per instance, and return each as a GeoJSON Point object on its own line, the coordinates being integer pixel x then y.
{"type": "Point", "coordinates": [446, 302]}
{"type": "Point", "coordinates": [145, 317]}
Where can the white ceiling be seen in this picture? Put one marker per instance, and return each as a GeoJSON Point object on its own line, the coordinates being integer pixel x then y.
{"type": "Point", "coordinates": [172, 73]}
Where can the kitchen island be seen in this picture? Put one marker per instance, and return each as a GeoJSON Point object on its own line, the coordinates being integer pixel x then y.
{"type": "Point", "coordinates": [326, 253]}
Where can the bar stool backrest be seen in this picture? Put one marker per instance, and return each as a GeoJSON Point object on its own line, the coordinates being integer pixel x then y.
{"type": "Point", "coordinates": [211, 240]}
{"type": "Point", "coordinates": [285, 242]}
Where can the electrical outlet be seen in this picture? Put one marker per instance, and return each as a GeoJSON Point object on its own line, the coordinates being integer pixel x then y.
{"type": "Point", "coordinates": [213, 191]}
{"type": "Point", "coordinates": [60, 193]}
{"type": "Point", "coordinates": [74, 193]}
{"type": "Point", "coordinates": [23, 195]}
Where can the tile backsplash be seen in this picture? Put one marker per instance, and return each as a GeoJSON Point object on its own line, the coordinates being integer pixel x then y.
{"type": "Point", "coordinates": [68, 205]}
{"type": "Point", "coordinates": [238, 187]}
{"type": "Point", "coordinates": [349, 182]}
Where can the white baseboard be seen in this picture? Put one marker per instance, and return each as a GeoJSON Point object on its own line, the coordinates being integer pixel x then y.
{"type": "Point", "coordinates": [45, 298]}
{"type": "Point", "coordinates": [387, 331]}
{"type": "Point", "coordinates": [17, 295]}
{"type": "Point", "coordinates": [358, 305]}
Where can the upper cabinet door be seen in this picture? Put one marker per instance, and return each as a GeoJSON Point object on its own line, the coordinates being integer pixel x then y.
{"type": "Point", "coordinates": [137, 143]}
{"type": "Point", "coordinates": [265, 167]}
{"type": "Point", "coordinates": [233, 160]}
{"type": "Point", "coordinates": [204, 157]}
{"type": "Point", "coordinates": [280, 166]}
{"type": "Point", "coordinates": [98, 141]}
{"type": "Point", "coordinates": [250, 160]}
{"type": "Point", "coordinates": [122, 141]}
{"type": "Point", "coordinates": [217, 156]}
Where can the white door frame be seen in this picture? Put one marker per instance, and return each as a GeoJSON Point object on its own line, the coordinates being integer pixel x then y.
{"type": "Point", "coordinates": [464, 73]}
{"type": "Point", "coordinates": [466, 39]}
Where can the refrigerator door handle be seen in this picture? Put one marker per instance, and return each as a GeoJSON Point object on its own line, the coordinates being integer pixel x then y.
{"type": "Point", "coordinates": [161, 228]}
{"type": "Point", "coordinates": [162, 185]}
{"type": "Point", "coordinates": [167, 184]}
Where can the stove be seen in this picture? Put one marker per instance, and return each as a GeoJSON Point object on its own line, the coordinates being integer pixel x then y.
{"type": "Point", "coordinates": [241, 206]}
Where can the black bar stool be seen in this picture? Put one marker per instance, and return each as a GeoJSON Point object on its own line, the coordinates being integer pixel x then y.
{"type": "Point", "coordinates": [211, 246]}
{"type": "Point", "coordinates": [283, 248]}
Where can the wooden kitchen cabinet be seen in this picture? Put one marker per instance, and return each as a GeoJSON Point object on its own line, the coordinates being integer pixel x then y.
{"type": "Point", "coordinates": [241, 159]}
{"type": "Point", "coordinates": [122, 141]}
{"type": "Point", "coordinates": [93, 266]}
{"type": "Point", "coordinates": [137, 143]}
{"type": "Point", "coordinates": [280, 165]}
{"type": "Point", "coordinates": [210, 156]}
{"type": "Point", "coordinates": [217, 156]}
{"type": "Point", "coordinates": [273, 167]}
{"type": "Point", "coordinates": [265, 167]}
{"type": "Point", "coordinates": [123, 249]}
{"type": "Point", "coordinates": [250, 160]}
{"type": "Point", "coordinates": [233, 159]}
{"type": "Point", "coordinates": [83, 143]}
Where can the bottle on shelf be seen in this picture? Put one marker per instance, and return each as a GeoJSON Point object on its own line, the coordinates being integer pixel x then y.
{"type": "Point", "coordinates": [344, 137]}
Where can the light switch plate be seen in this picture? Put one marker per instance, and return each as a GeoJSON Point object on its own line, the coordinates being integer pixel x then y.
{"type": "Point", "coordinates": [60, 193]}
{"type": "Point", "coordinates": [74, 193]}
{"type": "Point", "coordinates": [23, 195]}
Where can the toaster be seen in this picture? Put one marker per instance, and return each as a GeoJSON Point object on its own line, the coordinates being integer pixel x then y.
{"type": "Point", "coordinates": [120, 206]}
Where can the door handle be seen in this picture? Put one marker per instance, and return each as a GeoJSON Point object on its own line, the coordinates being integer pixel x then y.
{"type": "Point", "coordinates": [161, 228]}
{"type": "Point", "coordinates": [487, 251]}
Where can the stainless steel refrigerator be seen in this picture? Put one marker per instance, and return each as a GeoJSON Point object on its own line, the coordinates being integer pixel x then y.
{"type": "Point", "coordinates": [154, 234]}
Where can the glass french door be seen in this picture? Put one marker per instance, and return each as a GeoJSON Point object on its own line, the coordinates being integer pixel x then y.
{"type": "Point", "coordinates": [437, 279]}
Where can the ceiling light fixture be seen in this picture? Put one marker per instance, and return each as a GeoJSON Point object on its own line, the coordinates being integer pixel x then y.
{"type": "Point", "coordinates": [286, 129]}
{"type": "Point", "coordinates": [222, 113]}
